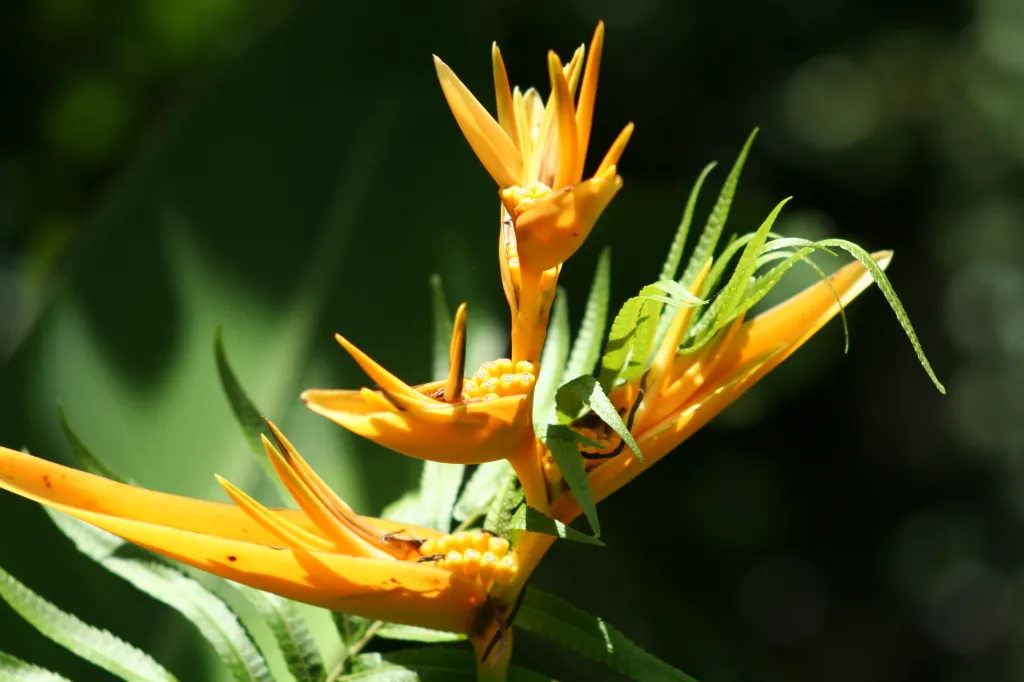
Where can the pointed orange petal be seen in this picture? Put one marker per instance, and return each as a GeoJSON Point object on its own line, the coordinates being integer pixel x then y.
{"type": "Point", "coordinates": [492, 146]}
{"type": "Point", "coordinates": [395, 591]}
{"type": "Point", "coordinates": [394, 386]}
{"type": "Point", "coordinates": [588, 96]}
{"type": "Point", "coordinates": [611, 159]}
{"type": "Point", "coordinates": [288, 533]}
{"type": "Point", "coordinates": [565, 118]}
{"type": "Point", "coordinates": [330, 524]}
{"type": "Point", "coordinates": [503, 95]}
{"type": "Point", "coordinates": [456, 358]}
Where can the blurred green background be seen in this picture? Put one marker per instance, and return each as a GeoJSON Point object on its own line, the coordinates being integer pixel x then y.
{"type": "Point", "coordinates": [290, 169]}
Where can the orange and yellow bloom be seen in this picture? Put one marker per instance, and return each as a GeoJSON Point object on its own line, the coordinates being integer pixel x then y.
{"type": "Point", "coordinates": [326, 554]}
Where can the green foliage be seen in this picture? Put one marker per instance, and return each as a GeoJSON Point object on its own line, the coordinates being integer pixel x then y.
{"type": "Point", "coordinates": [570, 463]}
{"type": "Point", "coordinates": [94, 645]}
{"type": "Point", "coordinates": [552, 364]}
{"type": "Point", "coordinates": [152, 575]}
{"type": "Point", "coordinates": [480, 490]}
{"type": "Point", "coordinates": [705, 248]}
{"type": "Point", "coordinates": [587, 391]}
{"type": "Point", "coordinates": [16, 670]}
{"type": "Point", "coordinates": [591, 636]}
{"type": "Point", "coordinates": [434, 664]}
{"type": "Point", "coordinates": [587, 346]}
{"type": "Point", "coordinates": [82, 453]}
{"type": "Point", "coordinates": [300, 650]}
{"type": "Point", "coordinates": [536, 521]}
{"type": "Point", "coordinates": [246, 413]}
{"type": "Point", "coordinates": [411, 633]}
{"type": "Point", "coordinates": [506, 502]}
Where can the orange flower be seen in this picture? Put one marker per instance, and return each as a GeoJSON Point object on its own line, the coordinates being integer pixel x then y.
{"type": "Point", "coordinates": [458, 420]}
{"type": "Point", "coordinates": [536, 154]}
{"type": "Point", "coordinates": [323, 554]}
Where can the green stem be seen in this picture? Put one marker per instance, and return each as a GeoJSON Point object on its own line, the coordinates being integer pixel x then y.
{"type": "Point", "coordinates": [354, 650]}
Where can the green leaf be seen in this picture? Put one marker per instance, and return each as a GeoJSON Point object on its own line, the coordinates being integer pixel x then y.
{"type": "Point", "coordinates": [716, 220]}
{"type": "Point", "coordinates": [411, 633]}
{"type": "Point", "coordinates": [16, 670]}
{"type": "Point", "coordinates": [675, 251]}
{"type": "Point", "coordinates": [151, 574]}
{"type": "Point", "coordinates": [442, 326]}
{"type": "Point", "coordinates": [505, 503]}
{"type": "Point", "coordinates": [439, 488]}
{"type": "Point", "coordinates": [433, 664]}
{"type": "Point", "coordinates": [552, 364]}
{"type": "Point", "coordinates": [481, 489]}
{"type": "Point", "coordinates": [247, 415]}
{"type": "Point", "coordinates": [556, 619]}
{"type": "Point", "coordinates": [300, 650]}
{"type": "Point", "coordinates": [622, 340]}
{"type": "Point", "coordinates": [94, 645]}
{"type": "Point", "coordinates": [570, 463]}
{"type": "Point", "coordinates": [589, 391]}
{"type": "Point", "coordinates": [82, 453]}
{"type": "Point", "coordinates": [536, 521]}
{"type": "Point", "coordinates": [725, 308]}
{"type": "Point", "coordinates": [885, 286]}
{"type": "Point", "coordinates": [587, 346]}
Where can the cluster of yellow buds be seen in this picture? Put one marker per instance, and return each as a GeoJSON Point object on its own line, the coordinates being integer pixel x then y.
{"type": "Point", "coordinates": [500, 378]}
{"type": "Point", "coordinates": [477, 555]}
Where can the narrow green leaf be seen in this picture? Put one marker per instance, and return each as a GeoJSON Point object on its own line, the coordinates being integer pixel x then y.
{"type": "Point", "coordinates": [411, 633]}
{"type": "Point", "coordinates": [588, 390]}
{"type": "Point", "coordinates": [621, 340]}
{"type": "Point", "coordinates": [536, 521]}
{"type": "Point", "coordinates": [505, 503]}
{"type": "Point", "coordinates": [587, 346]}
{"type": "Point", "coordinates": [724, 309]}
{"type": "Point", "coordinates": [289, 628]}
{"type": "Point", "coordinates": [82, 453]}
{"type": "Point", "coordinates": [570, 463]}
{"type": "Point", "coordinates": [552, 364]}
{"type": "Point", "coordinates": [439, 488]}
{"type": "Point", "coordinates": [247, 414]}
{"type": "Point", "coordinates": [883, 283]}
{"type": "Point", "coordinates": [151, 574]}
{"type": "Point", "coordinates": [442, 327]}
{"type": "Point", "coordinates": [94, 645]}
{"type": "Point", "coordinates": [560, 621]}
{"type": "Point", "coordinates": [481, 489]}
{"type": "Point", "coordinates": [350, 629]}
{"type": "Point", "coordinates": [675, 251]}
{"type": "Point", "coordinates": [433, 664]}
{"type": "Point", "coordinates": [16, 670]}
{"type": "Point", "coordinates": [716, 220]}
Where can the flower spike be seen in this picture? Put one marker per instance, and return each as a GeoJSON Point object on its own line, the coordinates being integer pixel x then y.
{"type": "Point", "coordinates": [323, 554]}
{"type": "Point", "coordinates": [489, 421]}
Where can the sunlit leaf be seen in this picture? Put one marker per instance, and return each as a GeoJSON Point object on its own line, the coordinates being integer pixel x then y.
{"type": "Point", "coordinates": [16, 670]}
{"type": "Point", "coordinates": [82, 453]}
{"type": "Point", "coordinates": [589, 391]}
{"type": "Point", "coordinates": [675, 250]}
{"type": "Point", "coordinates": [506, 502]}
{"type": "Point", "coordinates": [94, 645]}
{"type": "Point", "coordinates": [300, 650]}
{"type": "Point", "coordinates": [154, 576]}
{"type": "Point", "coordinates": [587, 346]}
{"type": "Point", "coordinates": [411, 633]}
{"type": "Point", "coordinates": [536, 521]}
{"type": "Point", "coordinates": [439, 488]}
{"type": "Point", "coordinates": [890, 295]}
{"type": "Point", "coordinates": [716, 220]}
{"type": "Point", "coordinates": [552, 364]}
{"type": "Point", "coordinates": [570, 463]}
{"type": "Point", "coordinates": [556, 619]}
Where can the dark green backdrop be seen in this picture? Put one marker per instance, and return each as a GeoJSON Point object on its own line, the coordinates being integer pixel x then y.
{"type": "Point", "coordinates": [291, 169]}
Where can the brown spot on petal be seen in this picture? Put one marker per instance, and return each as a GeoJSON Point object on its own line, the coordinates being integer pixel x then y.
{"type": "Point", "coordinates": [46, 481]}
{"type": "Point", "coordinates": [231, 557]}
